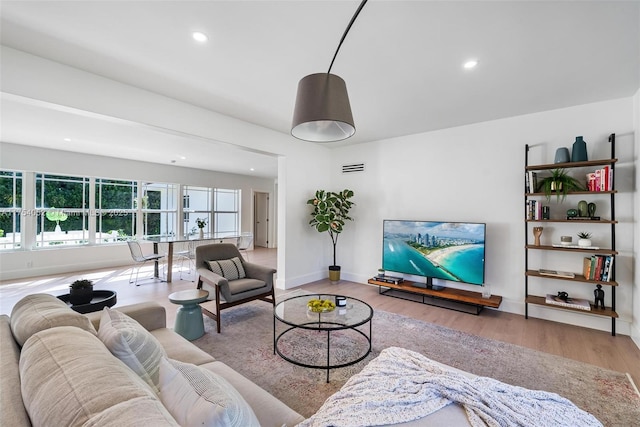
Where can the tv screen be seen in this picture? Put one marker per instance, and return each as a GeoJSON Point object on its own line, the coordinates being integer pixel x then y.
{"type": "Point", "coordinates": [442, 250]}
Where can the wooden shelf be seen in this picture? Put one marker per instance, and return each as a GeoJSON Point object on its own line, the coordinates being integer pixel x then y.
{"type": "Point", "coordinates": [606, 312]}
{"type": "Point", "coordinates": [451, 294]}
{"type": "Point", "coordinates": [601, 251]}
{"type": "Point", "coordinates": [578, 278]}
{"type": "Point", "coordinates": [568, 165]}
{"type": "Point", "coordinates": [576, 221]}
{"type": "Point", "coordinates": [572, 193]}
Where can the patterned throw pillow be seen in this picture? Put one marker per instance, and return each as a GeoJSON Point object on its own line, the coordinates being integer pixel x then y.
{"type": "Point", "coordinates": [198, 397]}
{"type": "Point", "coordinates": [133, 344]}
{"type": "Point", "coordinates": [230, 269]}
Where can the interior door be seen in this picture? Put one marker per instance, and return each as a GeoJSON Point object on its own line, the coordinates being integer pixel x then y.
{"type": "Point", "coordinates": [261, 226]}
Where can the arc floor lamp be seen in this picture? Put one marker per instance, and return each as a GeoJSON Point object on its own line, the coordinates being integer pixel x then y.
{"type": "Point", "coordinates": [322, 112]}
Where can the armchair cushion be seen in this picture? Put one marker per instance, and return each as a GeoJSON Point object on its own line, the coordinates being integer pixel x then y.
{"type": "Point", "coordinates": [230, 269]}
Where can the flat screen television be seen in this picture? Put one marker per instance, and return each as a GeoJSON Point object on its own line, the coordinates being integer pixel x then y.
{"type": "Point", "coordinates": [435, 249]}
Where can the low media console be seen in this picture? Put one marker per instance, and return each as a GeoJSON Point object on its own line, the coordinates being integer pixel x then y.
{"type": "Point", "coordinates": [438, 297]}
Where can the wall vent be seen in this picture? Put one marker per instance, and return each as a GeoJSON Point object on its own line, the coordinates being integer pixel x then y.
{"type": "Point", "coordinates": [356, 167]}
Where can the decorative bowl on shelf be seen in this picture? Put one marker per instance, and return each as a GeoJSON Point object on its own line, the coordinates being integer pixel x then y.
{"type": "Point", "coordinates": [321, 305]}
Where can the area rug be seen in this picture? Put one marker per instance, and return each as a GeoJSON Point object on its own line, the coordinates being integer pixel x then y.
{"type": "Point", "coordinates": [246, 344]}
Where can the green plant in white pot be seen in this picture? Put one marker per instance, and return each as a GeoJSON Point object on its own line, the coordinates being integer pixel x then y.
{"type": "Point", "coordinates": [330, 213]}
{"type": "Point", "coordinates": [584, 239]}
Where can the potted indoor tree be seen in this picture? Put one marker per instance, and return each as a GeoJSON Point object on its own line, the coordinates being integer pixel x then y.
{"type": "Point", "coordinates": [559, 183]}
{"type": "Point", "coordinates": [81, 292]}
{"type": "Point", "coordinates": [330, 213]}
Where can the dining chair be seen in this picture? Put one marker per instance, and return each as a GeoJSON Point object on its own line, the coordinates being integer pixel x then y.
{"type": "Point", "coordinates": [140, 258]}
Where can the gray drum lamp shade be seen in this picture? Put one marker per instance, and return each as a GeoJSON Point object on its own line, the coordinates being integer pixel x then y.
{"type": "Point", "coordinates": [322, 112]}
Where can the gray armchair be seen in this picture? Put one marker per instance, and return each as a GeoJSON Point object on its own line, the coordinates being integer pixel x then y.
{"type": "Point", "coordinates": [257, 283]}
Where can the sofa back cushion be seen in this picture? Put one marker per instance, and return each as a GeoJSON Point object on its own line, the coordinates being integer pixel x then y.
{"type": "Point", "coordinates": [132, 344]}
{"type": "Point", "coordinates": [12, 412]}
{"type": "Point", "coordinates": [230, 269]}
{"type": "Point", "coordinates": [70, 378]}
{"type": "Point", "coordinates": [37, 312]}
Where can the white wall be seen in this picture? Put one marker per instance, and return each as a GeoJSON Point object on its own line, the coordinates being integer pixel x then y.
{"type": "Point", "coordinates": [635, 324]}
{"type": "Point", "coordinates": [475, 173]}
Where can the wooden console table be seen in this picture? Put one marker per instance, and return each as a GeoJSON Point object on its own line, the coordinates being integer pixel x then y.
{"type": "Point", "coordinates": [431, 296]}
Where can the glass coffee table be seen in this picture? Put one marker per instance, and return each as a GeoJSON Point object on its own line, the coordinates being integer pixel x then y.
{"type": "Point", "coordinates": [302, 341]}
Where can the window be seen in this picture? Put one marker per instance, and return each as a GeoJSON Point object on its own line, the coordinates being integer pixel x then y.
{"type": "Point", "coordinates": [62, 204]}
{"type": "Point", "coordinates": [226, 212]}
{"type": "Point", "coordinates": [10, 208]}
{"type": "Point", "coordinates": [115, 201]}
{"type": "Point", "coordinates": [197, 203]}
{"type": "Point", "coordinates": [159, 209]}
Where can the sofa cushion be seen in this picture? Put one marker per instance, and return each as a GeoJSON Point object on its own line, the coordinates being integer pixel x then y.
{"type": "Point", "coordinates": [36, 312]}
{"type": "Point", "coordinates": [132, 344]}
{"type": "Point", "coordinates": [197, 397]}
{"type": "Point", "coordinates": [269, 410]}
{"type": "Point", "coordinates": [70, 378]}
{"type": "Point", "coordinates": [230, 269]}
{"type": "Point", "coordinates": [178, 348]}
{"type": "Point", "coordinates": [13, 412]}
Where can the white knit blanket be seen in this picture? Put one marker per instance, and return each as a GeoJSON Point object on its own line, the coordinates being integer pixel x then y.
{"type": "Point", "coordinates": [401, 385]}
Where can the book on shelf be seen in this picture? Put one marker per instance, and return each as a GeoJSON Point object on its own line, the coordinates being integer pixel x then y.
{"type": "Point", "coordinates": [600, 179]}
{"type": "Point", "coordinates": [531, 182]}
{"type": "Point", "coordinates": [556, 273]}
{"type": "Point", "coordinates": [578, 303]}
{"type": "Point", "coordinates": [586, 266]}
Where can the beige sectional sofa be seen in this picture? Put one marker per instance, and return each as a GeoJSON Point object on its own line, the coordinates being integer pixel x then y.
{"type": "Point", "coordinates": [57, 368]}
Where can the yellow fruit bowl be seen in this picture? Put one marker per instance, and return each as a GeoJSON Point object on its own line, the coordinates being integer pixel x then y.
{"type": "Point", "coordinates": [321, 305]}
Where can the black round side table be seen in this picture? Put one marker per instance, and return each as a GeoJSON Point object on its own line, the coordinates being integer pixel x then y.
{"type": "Point", "coordinates": [100, 300]}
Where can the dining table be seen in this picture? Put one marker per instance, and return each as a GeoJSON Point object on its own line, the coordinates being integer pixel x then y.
{"type": "Point", "coordinates": [167, 245]}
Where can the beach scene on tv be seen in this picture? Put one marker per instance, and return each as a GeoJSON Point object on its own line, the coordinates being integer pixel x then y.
{"type": "Point", "coordinates": [443, 250]}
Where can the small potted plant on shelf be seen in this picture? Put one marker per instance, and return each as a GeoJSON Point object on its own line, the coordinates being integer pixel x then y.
{"type": "Point", "coordinates": [81, 292]}
{"type": "Point", "coordinates": [584, 239]}
{"type": "Point", "coordinates": [559, 183]}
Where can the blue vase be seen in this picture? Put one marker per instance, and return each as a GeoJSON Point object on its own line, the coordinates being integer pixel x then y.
{"type": "Point", "coordinates": [562, 155]}
{"type": "Point", "coordinates": [579, 150]}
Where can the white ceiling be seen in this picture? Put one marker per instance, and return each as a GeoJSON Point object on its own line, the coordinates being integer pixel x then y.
{"type": "Point", "coordinates": [402, 62]}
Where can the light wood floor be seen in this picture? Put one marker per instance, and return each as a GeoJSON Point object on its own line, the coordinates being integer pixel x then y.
{"type": "Point", "coordinates": [598, 348]}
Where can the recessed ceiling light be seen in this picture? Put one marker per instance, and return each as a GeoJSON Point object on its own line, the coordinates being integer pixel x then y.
{"type": "Point", "coordinates": [182, 157]}
{"type": "Point", "coordinates": [472, 63]}
{"type": "Point", "coordinates": [199, 37]}
{"type": "Point", "coordinates": [68, 139]}
{"type": "Point", "coordinates": [251, 169]}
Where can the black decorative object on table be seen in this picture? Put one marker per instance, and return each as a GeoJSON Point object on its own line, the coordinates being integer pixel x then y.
{"type": "Point", "coordinates": [563, 296]}
{"type": "Point", "coordinates": [81, 292]}
{"type": "Point", "coordinates": [599, 296]}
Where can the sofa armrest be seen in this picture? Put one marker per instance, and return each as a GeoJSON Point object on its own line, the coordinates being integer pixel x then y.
{"type": "Point", "coordinates": [151, 315]}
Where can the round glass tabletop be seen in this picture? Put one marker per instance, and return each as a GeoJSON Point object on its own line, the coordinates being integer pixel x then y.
{"type": "Point", "coordinates": [295, 312]}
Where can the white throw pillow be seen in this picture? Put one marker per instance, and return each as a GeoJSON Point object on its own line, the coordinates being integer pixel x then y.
{"type": "Point", "coordinates": [133, 344]}
{"type": "Point", "coordinates": [198, 397]}
{"type": "Point", "coordinates": [230, 269]}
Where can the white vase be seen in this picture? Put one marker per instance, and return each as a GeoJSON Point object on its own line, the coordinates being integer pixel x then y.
{"type": "Point", "coordinates": [584, 242]}
{"type": "Point", "coordinates": [202, 233]}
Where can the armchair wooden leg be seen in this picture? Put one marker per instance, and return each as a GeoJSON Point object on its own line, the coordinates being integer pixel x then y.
{"type": "Point", "coordinates": [218, 308]}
